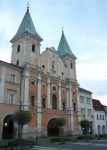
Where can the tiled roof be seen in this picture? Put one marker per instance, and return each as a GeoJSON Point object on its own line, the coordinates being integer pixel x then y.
{"type": "Point", "coordinates": [97, 105]}
{"type": "Point", "coordinates": [84, 90]}
{"type": "Point", "coordinates": [27, 26]}
{"type": "Point", "coordinates": [64, 47]}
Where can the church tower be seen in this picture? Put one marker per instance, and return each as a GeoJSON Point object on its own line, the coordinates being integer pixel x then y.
{"type": "Point", "coordinates": [68, 58]}
{"type": "Point", "coordinates": [26, 43]}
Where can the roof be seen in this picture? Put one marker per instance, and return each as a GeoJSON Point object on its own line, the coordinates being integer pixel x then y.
{"type": "Point", "coordinates": [27, 26]}
{"type": "Point", "coordinates": [64, 47]}
{"type": "Point", "coordinates": [97, 105]}
{"type": "Point", "coordinates": [84, 90]}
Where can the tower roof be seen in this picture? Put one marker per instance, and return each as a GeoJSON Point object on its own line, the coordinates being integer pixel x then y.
{"type": "Point", "coordinates": [27, 26]}
{"type": "Point", "coordinates": [64, 47]}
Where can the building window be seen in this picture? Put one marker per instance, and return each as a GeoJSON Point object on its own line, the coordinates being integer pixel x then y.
{"type": "Point", "coordinates": [53, 102]}
{"type": "Point", "coordinates": [73, 93]}
{"type": "Point", "coordinates": [17, 62]}
{"type": "Point", "coordinates": [63, 105]}
{"type": "Point", "coordinates": [62, 73]}
{"type": "Point", "coordinates": [103, 117]}
{"type": "Point", "coordinates": [33, 48]}
{"type": "Point", "coordinates": [88, 101]}
{"type": "Point", "coordinates": [53, 65]}
{"type": "Point", "coordinates": [97, 117]}
{"type": "Point", "coordinates": [100, 117]}
{"type": "Point", "coordinates": [43, 102]}
{"type": "Point", "coordinates": [12, 78]}
{"type": "Point", "coordinates": [89, 112]}
{"type": "Point", "coordinates": [32, 100]}
{"type": "Point", "coordinates": [82, 111]}
{"type": "Point", "coordinates": [18, 48]}
{"type": "Point", "coordinates": [71, 65]}
{"type": "Point", "coordinates": [11, 98]}
{"type": "Point", "coordinates": [81, 99]}
{"type": "Point", "coordinates": [74, 106]}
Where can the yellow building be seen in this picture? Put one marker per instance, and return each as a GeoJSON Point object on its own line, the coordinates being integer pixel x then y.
{"type": "Point", "coordinates": [45, 84]}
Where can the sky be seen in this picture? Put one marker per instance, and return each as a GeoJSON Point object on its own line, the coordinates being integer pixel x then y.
{"type": "Point", "coordinates": [85, 27]}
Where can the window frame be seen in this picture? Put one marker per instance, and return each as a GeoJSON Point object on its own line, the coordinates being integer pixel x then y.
{"type": "Point", "coordinates": [71, 64]}
{"type": "Point", "coordinates": [63, 105]}
{"type": "Point", "coordinates": [54, 106]}
{"type": "Point", "coordinates": [53, 65]}
{"type": "Point", "coordinates": [17, 62]}
{"type": "Point", "coordinates": [34, 48]}
{"type": "Point", "coordinates": [32, 102]}
{"type": "Point", "coordinates": [43, 102]}
{"type": "Point", "coordinates": [18, 48]}
{"type": "Point", "coordinates": [14, 78]}
{"type": "Point", "coordinates": [10, 93]}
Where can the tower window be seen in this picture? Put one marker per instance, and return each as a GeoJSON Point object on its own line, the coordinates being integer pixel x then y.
{"type": "Point", "coordinates": [18, 48]}
{"type": "Point", "coordinates": [71, 65]}
{"type": "Point", "coordinates": [43, 103]}
{"type": "Point", "coordinates": [17, 62]}
{"type": "Point", "coordinates": [33, 48]}
{"type": "Point", "coordinates": [32, 100]}
{"type": "Point", "coordinates": [74, 106]}
{"type": "Point", "coordinates": [53, 65]}
{"type": "Point", "coordinates": [63, 105]}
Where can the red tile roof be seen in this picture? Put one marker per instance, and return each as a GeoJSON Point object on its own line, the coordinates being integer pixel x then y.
{"type": "Point", "coordinates": [97, 105]}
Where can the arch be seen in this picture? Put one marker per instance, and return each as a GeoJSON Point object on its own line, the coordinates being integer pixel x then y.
{"type": "Point", "coordinates": [54, 101]}
{"type": "Point", "coordinates": [9, 128]}
{"type": "Point", "coordinates": [52, 129]}
{"type": "Point", "coordinates": [103, 129]}
{"type": "Point", "coordinates": [99, 129]}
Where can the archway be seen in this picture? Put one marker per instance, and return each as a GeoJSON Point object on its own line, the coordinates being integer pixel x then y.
{"type": "Point", "coordinates": [103, 129]}
{"type": "Point", "coordinates": [8, 130]}
{"type": "Point", "coordinates": [52, 129]}
{"type": "Point", "coordinates": [99, 129]}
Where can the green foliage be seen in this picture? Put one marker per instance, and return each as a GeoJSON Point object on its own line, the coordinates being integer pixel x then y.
{"type": "Point", "coordinates": [102, 135]}
{"type": "Point", "coordinates": [84, 123]}
{"type": "Point", "coordinates": [59, 139]}
{"type": "Point", "coordinates": [82, 137]}
{"type": "Point", "coordinates": [22, 117]}
{"type": "Point", "coordinates": [20, 141]}
{"type": "Point", "coordinates": [60, 122]}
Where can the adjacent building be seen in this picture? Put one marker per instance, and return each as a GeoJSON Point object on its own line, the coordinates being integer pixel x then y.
{"type": "Point", "coordinates": [99, 116]}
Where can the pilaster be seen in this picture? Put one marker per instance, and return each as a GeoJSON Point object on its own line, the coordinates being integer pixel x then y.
{"type": "Point", "coordinates": [11, 53]}
{"type": "Point", "coordinates": [26, 91]}
{"type": "Point", "coordinates": [47, 61]}
{"type": "Point", "coordinates": [60, 96]}
{"type": "Point", "coordinates": [3, 73]}
{"type": "Point", "coordinates": [24, 59]}
{"type": "Point", "coordinates": [28, 48]}
{"type": "Point", "coordinates": [48, 93]}
{"type": "Point", "coordinates": [38, 55]}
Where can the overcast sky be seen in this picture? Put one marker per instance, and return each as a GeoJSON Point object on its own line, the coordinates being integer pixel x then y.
{"type": "Point", "coordinates": [85, 27]}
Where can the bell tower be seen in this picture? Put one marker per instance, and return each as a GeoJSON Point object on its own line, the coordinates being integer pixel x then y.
{"type": "Point", "coordinates": [26, 43]}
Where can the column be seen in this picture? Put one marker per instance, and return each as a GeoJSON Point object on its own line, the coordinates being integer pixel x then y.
{"type": "Point", "coordinates": [60, 96]}
{"type": "Point", "coordinates": [47, 61]}
{"type": "Point", "coordinates": [48, 93]}
{"type": "Point", "coordinates": [39, 104]}
{"type": "Point", "coordinates": [11, 54]}
{"type": "Point", "coordinates": [67, 91]}
{"type": "Point", "coordinates": [26, 91]}
{"type": "Point", "coordinates": [3, 73]}
{"type": "Point", "coordinates": [24, 59]}
{"type": "Point", "coordinates": [28, 48]}
{"type": "Point", "coordinates": [58, 66]}
{"type": "Point", "coordinates": [39, 55]}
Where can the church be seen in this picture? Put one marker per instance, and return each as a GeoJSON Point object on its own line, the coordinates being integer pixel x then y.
{"type": "Point", "coordinates": [45, 84]}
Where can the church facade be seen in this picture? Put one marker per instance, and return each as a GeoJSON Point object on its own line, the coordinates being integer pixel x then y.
{"type": "Point", "coordinates": [45, 84]}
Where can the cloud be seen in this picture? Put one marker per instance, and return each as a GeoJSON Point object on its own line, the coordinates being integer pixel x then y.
{"type": "Point", "coordinates": [103, 98]}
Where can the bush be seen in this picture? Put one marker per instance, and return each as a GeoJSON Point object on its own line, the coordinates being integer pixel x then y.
{"type": "Point", "coordinates": [59, 139]}
{"type": "Point", "coordinates": [20, 141]}
{"type": "Point", "coordinates": [82, 137]}
{"type": "Point", "coordinates": [102, 135]}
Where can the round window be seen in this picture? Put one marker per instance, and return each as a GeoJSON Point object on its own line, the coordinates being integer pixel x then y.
{"type": "Point", "coordinates": [32, 82]}
{"type": "Point", "coordinates": [54, 88]}
{"type": "Point", "coordinates": [73, 93]}
{"type": "Point", "coordinates": [43, 66]}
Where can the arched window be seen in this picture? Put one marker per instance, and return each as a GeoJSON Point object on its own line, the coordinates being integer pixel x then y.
{"type": "Point", "coordinates": [18, 48]}
{"type": "Point", "coordinates": [53, 65]}
{"type": "Point", "coordinates": [54, 102]}
{"type": "Point", "coordinates": [33, 48]}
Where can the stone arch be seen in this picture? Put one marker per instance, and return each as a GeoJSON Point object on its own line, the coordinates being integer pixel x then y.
{"type": "Point", "coordinates": [103, 129]}
{"type": "Point", "coordinates": [9, 128]}
{"type": "Point", "coordinates": [99, 129]}
{"type": "Point", "coordinates": [52, 129]}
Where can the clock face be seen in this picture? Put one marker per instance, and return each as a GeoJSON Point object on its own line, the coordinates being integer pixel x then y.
{"type": "Point", "coordinates": [32, 82]}
{"type": "Point", "coordinates": [54, 88]}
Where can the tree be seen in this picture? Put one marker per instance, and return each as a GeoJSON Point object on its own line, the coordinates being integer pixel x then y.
{"type": "Point", "coordinates": [22, 117]}
{"type": "Point", "coordinates": [84, 123]}
{"type": "Point", "coordinates": [60, 122]}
